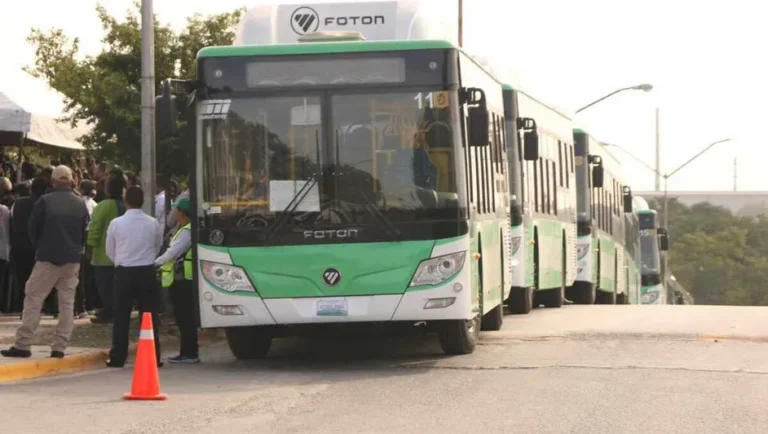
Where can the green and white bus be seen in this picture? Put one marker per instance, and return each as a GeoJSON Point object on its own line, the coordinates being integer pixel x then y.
{"type": "Point", "coordinates": [542, 185]}
{"type": "Point", "coordinates": [338, 180]}
{"type": "Point", "coordinates": [653, 242]}
{"type": "Point", "coordinates": [607, 269]}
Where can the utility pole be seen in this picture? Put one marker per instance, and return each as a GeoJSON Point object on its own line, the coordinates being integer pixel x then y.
{"type": "Point", "coordinates": [658, 153]}
{"type": "Point", "coordinates": [735, 173]}
{"type": "Point", "coordinates": [461, 23]}
{"type": "Point", "coordinates": [148, 106]}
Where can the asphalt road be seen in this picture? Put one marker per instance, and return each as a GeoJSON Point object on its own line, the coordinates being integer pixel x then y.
{"type": "Point", "coordinates": [594, 369]}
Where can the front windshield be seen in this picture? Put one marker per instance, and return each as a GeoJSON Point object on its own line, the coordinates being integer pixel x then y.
{"type": "Point", "coordinates": [649, 254]}
{"type": "Point", "coordinates": [257, 155]}
{"type": "Point", "coordinates": [396, 152]}
{"type": "Point", "coordinates": [385, 154]}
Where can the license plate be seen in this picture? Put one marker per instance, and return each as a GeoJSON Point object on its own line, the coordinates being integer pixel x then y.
{"type": "Point", "coordinates": [337, 307]}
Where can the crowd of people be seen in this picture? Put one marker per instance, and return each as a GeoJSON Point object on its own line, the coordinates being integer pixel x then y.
{"type": "Point", "coordinates": [74, 248]}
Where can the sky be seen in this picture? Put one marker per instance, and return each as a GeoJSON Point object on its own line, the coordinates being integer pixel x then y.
{"type": "Point", "coordinates": [705, 60]}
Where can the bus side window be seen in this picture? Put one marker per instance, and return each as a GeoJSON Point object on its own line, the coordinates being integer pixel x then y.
{"type": "Point", "coordinates": [554, 190]}
{"type": "Point", "coordinates": [536, 184]}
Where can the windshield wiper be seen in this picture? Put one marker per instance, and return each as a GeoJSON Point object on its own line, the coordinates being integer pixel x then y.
{"type": "Point", "coordinates": [381, 218]}
{"type": "Point", "coordinates": [300, 195]}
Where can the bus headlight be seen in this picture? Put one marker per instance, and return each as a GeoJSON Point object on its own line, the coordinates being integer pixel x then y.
{"type": "Point", "coordinates": [516, 244]}
{"type": "Point", "coordinates": [650, 297]}
{"type": "Point", "coordinates": [226, 277]}
{"type": "Point", "coordinates": [436, 270]}
{"type": "Point", "coordinates": [582, 250]}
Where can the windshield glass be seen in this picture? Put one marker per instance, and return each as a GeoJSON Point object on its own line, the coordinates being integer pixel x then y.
{"type": "Point", "coordinates": [385, 159]}
{"type": "Point", "coordinates": [649, 254]}
{"type": "Point", "coordinates": [396, 151]}
{"type": "Point", "coordinates": [257, 156]}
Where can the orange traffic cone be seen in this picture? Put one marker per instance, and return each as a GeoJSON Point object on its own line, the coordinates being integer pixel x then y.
{"type": "Point", "coordinates": [146, 381]}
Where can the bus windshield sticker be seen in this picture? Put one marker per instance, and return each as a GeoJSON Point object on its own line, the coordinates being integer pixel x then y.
{"type": "Point", "coordinates": [442, 100]}
{"type": "Point", "coordinates": [305, 115]}
{"type": "Point", "coordinates": [281, 193]}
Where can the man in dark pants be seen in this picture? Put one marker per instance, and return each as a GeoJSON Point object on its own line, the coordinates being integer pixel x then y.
{"type": "Point", "coordinates": [22, 249]}
{"type": "Point", "coordinates": [133, 242]}
{"type": "Point", "coordinates": [176, 275]}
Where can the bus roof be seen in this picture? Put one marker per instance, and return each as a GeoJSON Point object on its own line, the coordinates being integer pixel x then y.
{"type": "Point", "coordinates": [646, 211]}
{"type": "Point", "coordinates": [321, 48]}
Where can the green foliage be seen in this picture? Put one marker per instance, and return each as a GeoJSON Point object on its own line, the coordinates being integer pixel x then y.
{"type": "Point", "coordinates": [104, 90]}
{"type": "Point", "coordinates": [721, 258]}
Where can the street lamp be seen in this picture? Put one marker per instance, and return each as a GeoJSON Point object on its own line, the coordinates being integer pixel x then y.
{"type": "Point", "coordinates": [666, 177]}
{"type": "Point", "coordinates": [645, 87]}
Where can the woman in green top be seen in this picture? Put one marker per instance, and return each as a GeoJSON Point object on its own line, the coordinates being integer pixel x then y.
{"type": "Point", "coordinates": [103, 268]}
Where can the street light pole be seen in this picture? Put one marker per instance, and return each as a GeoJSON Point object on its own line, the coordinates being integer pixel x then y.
{"type": "Point", "coordinates": [148, 106]}
{"type": "Point", "coordinates": [658, 152]}
{"type": "Point", "coordinates": [461, 23]}
{"type": "Point", "coordinates": [644, 87]}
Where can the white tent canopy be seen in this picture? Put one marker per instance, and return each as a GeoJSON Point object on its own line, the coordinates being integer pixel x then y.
{"type": "Point", "coordinates": [13, 118]}
{"type": "Point", "coordinates": [48, 131]}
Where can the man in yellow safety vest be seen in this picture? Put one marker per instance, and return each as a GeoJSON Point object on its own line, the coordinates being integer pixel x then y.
{"type": "Point", "coordinates": [176, 275]}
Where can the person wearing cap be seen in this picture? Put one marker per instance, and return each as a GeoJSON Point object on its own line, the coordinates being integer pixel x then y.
{"type": "Point", "coordinates": [176, 274]}
{"type": "Point", "coordinates": [57, 229]}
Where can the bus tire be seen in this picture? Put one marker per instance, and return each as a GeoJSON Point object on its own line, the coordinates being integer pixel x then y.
{"type": "Point", "coordinates": [553, 298]}
{"type": "Point", "coordinates": [520, 301]}
{"type": "Point", "coordinates": [621, 299]}
{"type": "Point", "coordinates": [249, 343]}
{"type": "Point", "coordinates": [459, 337]}
{"type": "Point", "coordinates": [494, 319]}
{"type": "Point", "coordinates": [582, 293]}
{"type": "Point", "coordinates": [604, 297]}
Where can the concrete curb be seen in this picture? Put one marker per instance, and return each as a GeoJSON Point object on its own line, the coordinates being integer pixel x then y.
{"type": "Point", "coordinates": [37, 368]}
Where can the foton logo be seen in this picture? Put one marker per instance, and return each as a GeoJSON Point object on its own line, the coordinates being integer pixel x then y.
{"type": "Point", "coordinates": [305, 20]}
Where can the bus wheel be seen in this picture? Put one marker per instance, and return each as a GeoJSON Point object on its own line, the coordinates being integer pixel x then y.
{"type": "Point", "coordinates": [249, 343]}
{"type": "Point", "coordinates": [621, 299]}
{"type": "Point", "coordinates": [459, 337]}
{"type": "Point", "coordinates": [582, 293]}
{"type": "Point", "coordinates": [494, 319]}
{"type": "Point", "coordinates": [606, 297]}
{"type": "Point", "coordinates": [520, 301]}
{"type": "Point", "coordinates": [552, 297]}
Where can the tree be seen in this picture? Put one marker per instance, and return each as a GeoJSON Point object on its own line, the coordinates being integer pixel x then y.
{"type": "Point", "coordinates": [104, 90]}
{"type": "Point", "coordinates": [720, 257]}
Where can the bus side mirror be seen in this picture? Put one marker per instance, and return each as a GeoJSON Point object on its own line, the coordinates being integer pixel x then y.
{"type": "Point", "coordinates": [531, 139]}
{"type": "Point", "coordinates": [627, 203]}
{"type": "Point", "coordinates": [627, 200]}
{"type": "Point", "coordinates": [479, 131]}
{"type": "Point", "coordinates": [165, 112]}
{"type": "Point", "coordinates": [663, 240]}
{"type": "Point", "coordinates": [597, 176]}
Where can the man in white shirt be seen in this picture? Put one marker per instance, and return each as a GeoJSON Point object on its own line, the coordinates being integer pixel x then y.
{"type": "Point", "coordinates": [133, 243]}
